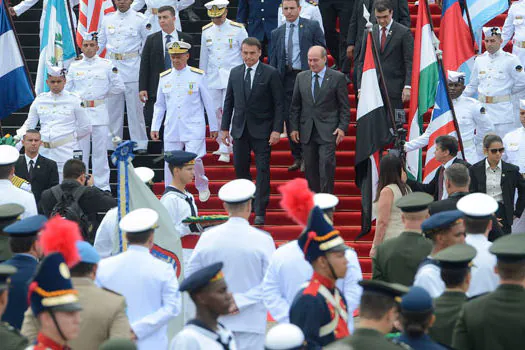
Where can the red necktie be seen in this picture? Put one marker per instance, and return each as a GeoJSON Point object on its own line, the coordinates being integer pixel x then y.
{"type": "Point", "coordinates": [383, 38]}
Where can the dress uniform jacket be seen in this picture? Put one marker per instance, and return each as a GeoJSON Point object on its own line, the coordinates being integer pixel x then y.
{"type": "Point", "coordinates": [17, 303]}
{"type": "Point", "coordinates": [365, 339]}
{"type": "Point", "coordinates": [221, 51]}
{"type": "Point", "coordinates": [259, 16]}
{"type": "Point", "coordinates": [446, 309]}
{"type": "Point", "coordinates": [492, 322]}
{"type": "Point", "coordinates": [428, 276]}
{"type": "Point", "coordinates": [124, 34]}
{"type": "Point", "coordinates": [514, 143]}
{"type": "Point", "coordinates": [103, 316]}
{"type": "Point", "coordinates": [483, 279]}
{"type": "Point", "coordinates": [309, 10]}
{"type": "Point", "coordinates": [397, 259]}
{"type": "Point", "coordinates": [195, 336]}
{"type": "Point", "coordinates": [246, 253]}
{"type": "Point", "coordinates": [106, 232]}
{"type": "Point", "coordinates": [151, 291]}
{"type": "Point", "coordinates": [152, 7]}
{"type": "Point", "coordinates": [515, 27]}
{"type": "Point", "coordinates": [11, 338]}
{"type": "Point", "coordinates": [183, 95]}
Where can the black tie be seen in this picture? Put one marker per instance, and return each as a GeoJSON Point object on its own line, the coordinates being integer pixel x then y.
{"type": "Point", "coordinates": [247, 84]}
{"type": "Point", "coordinates": [317, 87]}
{"type": "Point", "coordinates": [31, 167]}
{"type": "Point", "coordinates": [167, 58]}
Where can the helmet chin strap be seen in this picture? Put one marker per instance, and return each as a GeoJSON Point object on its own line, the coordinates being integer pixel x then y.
{"type": "Point", "coordinates": [332, 271]}
{"type": "Point", "coordinates": [56, 325]}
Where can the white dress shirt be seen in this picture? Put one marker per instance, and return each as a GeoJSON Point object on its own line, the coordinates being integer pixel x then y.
{"type": "Point", "coordinates": [174, 37]}
{"type": "Point", "coordinates": [296, 48]}
{"type": "Point", "coordinates": [494, 181]}
{"type": "Point", "coordinates": [29, 159]}
{"type": "Point", "coordinates": [252, 72]}
{"type": "Point", "coordinates": [484, 279]}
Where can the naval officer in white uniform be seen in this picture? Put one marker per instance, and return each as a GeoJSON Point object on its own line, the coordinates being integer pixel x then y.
{"type": "Point", "coordinates": [221, 42]}
{"type": "Point", "coordinates": [149, 285]}
{"type": "Point", "coordinates": [246, 253]}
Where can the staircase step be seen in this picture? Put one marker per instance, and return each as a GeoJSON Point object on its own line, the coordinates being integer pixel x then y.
{"type": "Point", "coordinates": [289, 232]}
{"type": "Point", "coordinates": [279, 217]}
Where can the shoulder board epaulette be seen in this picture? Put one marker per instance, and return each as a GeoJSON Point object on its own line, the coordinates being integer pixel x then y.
{"type": "Point", "coordinates": [237, 24]}
{"type": "Point", "coordinates": [209, 25]}
{"type": "Point", "coordinates": [111, 291]}
{"type": "Point", "coordinates": [18, 181]}
{"type": "Point", "coordinates": [196, 70]}
{"type": "Point", "coordinates": [166, 72]}
{"type": "Point", "coordinates": [312, 2]}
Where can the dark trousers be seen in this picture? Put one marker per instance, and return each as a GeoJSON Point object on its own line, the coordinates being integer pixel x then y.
{"type": "Point", "coordinates": [242, 149]}
{"type": "Point", "coordinates": [289, 82]}
{"type": "Point", "coordinates": [319, 163]}
{"type": "Point", "coordinates": [336, 41]}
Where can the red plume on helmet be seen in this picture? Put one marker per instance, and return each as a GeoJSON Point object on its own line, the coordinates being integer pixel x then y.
{"type": "Point", "coordinates": [298, 200]}
{"type": "Point", "coordinates": [60, 235]}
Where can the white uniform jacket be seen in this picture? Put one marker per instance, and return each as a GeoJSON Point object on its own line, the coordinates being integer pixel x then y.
{"type": "Point", "coordinates": [94, 79]}
{"type": "Point", "coordinates": [14, 195]}
{"type": "Point", "coordinates": [221, 51]}
{"type": "Point", "coordinates": [183, 95]}
{"type": "Point", "coordinates": [194, 337]}
{"type": "Point", "coordinates": [428, 277]}
{"type": "Point", "coordinates": [246, 253]}
{"type": "Point", "coordinates": [178, 5]}
{"type": "Point", "coordinates": [514, 143]}
{"type": "Point", "coordinates": [106, 232]}
{"type": "Point", "coordinates": [515, 26]}
{"type": "Point", "coordinates": [151, 291]}
{"type": "Point", "coordinates": [484, 279]}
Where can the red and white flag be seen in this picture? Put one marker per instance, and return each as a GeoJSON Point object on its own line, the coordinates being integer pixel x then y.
{"type": "Point", "coordinates": [90, 17]}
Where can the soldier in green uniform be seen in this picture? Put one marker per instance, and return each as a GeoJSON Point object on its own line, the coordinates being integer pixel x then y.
{"type": "Point", "coordinates": [378, 312]}
{"type": "Point", "coordinates": [397, 259]}
{"type": "Point", "coordinates": [10, 338]}
{"type": "Point", "coordinates": [455, 262]}
{"type": "Point", "coordinates": [9, 213]}
{"type": "Point", "coordinates": [496, 321]}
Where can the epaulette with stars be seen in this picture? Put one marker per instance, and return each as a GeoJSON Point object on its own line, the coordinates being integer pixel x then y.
{"type": "Point", "coordinates": [209, 25]}
{"type": "Point", "coordinates": [196, 70]}
{"type": "Point", "coordinates": [312, 2]}
{"type": "Point", "coordinates": [166, 72]}
{"type": "Point", "coordinates": [237, 24]}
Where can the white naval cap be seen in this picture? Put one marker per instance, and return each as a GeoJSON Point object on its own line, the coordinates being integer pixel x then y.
{"type": "Point", "coordinates": [237, 191]}
{"type": "Point", "coordinates": [90, 36]}
{"type": "Point", "coordinates": [145, 174]}
{"type": "Point", "coordinates": [477, 205]}
{"type": "Point", "coordinates": [491, 31]}
{"type": "Point", "coordinates": [56, 71]}
{"type": "Point", "coordinates": [522, 104]}
{"type": "Point", "coordinates": [284, 336]}
{"type": "Point", "coordinates": [325, 200]}
{"type": "Point", "coordinates": [455, 77]}
{"type": "Point", "coordinates": [139, 220]}
{"type": "Point", "coordinates": [219, 3]}
{"type": "Point", "coordinates": [8, 155]}
{"type": "Point", "coordinates": [178, 46]}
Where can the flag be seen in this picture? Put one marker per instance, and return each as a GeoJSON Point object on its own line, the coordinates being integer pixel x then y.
{"type": "Point", "coordinates": [57, 46]}
{"type": "Point", "coordinates": [15, 83]}
{"type": "Point", "coordinates": [424, 84]}
{"type": "Point", "coordinates": [456, 39]}
{"type": "Point", "coordinates": [441, 123]}
{"type": "Point", "coordinates": [374, 132]}
{"type": "Point", "coordinates": [483, 11]}
{"type": "Point", "coordinates": [90, 17]}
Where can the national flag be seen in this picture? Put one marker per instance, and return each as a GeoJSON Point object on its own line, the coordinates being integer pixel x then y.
{"type": "Point", "coordinates": [483, 11]}
{"type": "Point", "coordinates": [441, 123]}
{"type": "Point", "coordinates": [15, 84]}
{"type": "Point", "coordinates": [90, 15]}
{"type": "Point", "coordinates": [424, 85]}
{"type": "Point", "coordinates": [57, 46]}
{"type": "Point", "coordinates": [374, 132]}
{"type": "Point", "coordinates": [456, 39]}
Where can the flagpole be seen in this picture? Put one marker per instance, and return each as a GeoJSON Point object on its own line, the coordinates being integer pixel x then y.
{"type": "Point", "coordinates": [469, 22]}
{"type": "Point", "coordinates": [74, 37]}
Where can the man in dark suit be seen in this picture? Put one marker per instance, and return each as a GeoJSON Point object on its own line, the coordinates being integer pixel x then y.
{"type": "Point", "coordinates": [23, 241]}
{"type": "Point", "coordinates": [396, 48]}
{"type": "Point", "coordinates": [255, 93]}
{"type": "Point", "coordinates": [41, 172]}
{"type": "Point", "coordinates": [319, 117]}
{"type": "Point", "coordinates": [155, 58]}
{"type": "Point", "coordinates": [446, 153]}
{"type": "Point", "coordinates": [289, 54]}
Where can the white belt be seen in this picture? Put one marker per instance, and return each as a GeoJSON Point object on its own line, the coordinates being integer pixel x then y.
{"type": "Point", "coordinates": [61, 142]}
{"type": "Point", "coordinates": [494, 99]}
{"type": "Point", "coordinates": [123, 56]}
{"type": "Point", "coordinates": [92, 103]}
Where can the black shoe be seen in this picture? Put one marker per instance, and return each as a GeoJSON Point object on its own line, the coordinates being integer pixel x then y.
{"type": "Point", "coordinates": [141, 152]}
{"type": "Point", "coordinates": [296, 165]}
{"type": "Point", "coordinates": [259, 220]}
{"type": "Point", "coordinates": [190, 15]}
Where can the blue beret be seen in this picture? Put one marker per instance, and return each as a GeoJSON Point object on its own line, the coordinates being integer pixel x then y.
{"type": "Point", "coordinates": [441, 221]}
{"type": "Point", "coordinates": [416, 300]}
{"type": "Point", "coordinates": [26, 227]}
{"type": "Point", "coordinates": [202, 277]}
{"type": "Point", "coordinates": [179, 158]}
{"type": "Point", "coordinates": [88, 254]}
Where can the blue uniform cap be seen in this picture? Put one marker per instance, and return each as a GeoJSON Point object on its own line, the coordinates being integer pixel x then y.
{"type": "Point", "coordinates": [88, 254]}
{"type": "Point", "coordinates": [26, 227]}
{"type": "Point", "coordinates": [179, 158]}
{"type": "Point", "coordinates": [416, 300]}
{"type": "Point", "coordinates": [201, 278]}
{"type": "Point", "coordinates": [441, 221]}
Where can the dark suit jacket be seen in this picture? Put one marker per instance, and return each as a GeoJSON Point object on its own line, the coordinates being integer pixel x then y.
{"type": "Point", "coordinates": [357, 24]}
{"type": "Point", "coordinates": [432, 186]}
{"type": "Point", "coordinates": [310, 34]}
{"type": "Point", "coordinates": [17, 304]}
{"type": "Point", "coordinates": [511, 180]}
{"type": "Point", "coordinates": [152, 61]}
{"type": "Point", "coordinates": [329, 112]}
{"type": "Point", "coordinates": [263, 112]}
{"type": "Point", "coordinates": [45, 174]}
{"type": "Point", "coordinates": [396, 58]}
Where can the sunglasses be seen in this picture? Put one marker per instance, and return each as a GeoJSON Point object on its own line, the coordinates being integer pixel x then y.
{"type": "Point", "coordinates": [496, 150]}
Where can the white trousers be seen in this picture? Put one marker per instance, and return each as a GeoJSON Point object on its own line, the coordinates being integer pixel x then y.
{"type": "Point", "coordinates": [60, 155]}
{"type": "Point", "coordinates": [98, 144]}
{"type": "Point", "coordinates": [136, 124]}
{"type": "Point", "coordinates": [195, 146]}
{"type": "Point", "coordinates": [249, 341]}
{"type": "Point", "coordinates": [220, 95]}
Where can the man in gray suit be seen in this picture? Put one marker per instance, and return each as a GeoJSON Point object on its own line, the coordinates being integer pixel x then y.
{"type": "Point", "coordinates": [319, 117]}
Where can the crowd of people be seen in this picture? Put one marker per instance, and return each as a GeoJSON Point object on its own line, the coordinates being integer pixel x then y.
{"type": "Point", "coordinates": [448, 256]}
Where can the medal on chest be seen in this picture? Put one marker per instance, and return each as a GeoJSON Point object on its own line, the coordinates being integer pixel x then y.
{"type": "Point", "coordinates": [230, 41]}
{"type": "Point", "coordinates": [191, 85]}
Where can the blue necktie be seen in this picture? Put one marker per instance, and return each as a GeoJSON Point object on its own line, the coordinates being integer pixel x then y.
{"type": "Point", "coordinates": [167, 58]}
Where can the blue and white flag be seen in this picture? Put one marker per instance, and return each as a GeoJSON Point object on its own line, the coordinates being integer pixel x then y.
{"type": "Point", "coordinates": [15, 84]}
{"type": "Point", "coordinates": [483, 11]}
{"type": "Point", "coordinates": [57, 46]}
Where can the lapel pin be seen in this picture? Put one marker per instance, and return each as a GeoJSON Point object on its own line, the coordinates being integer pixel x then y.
{"type": "Point", "coordinates": [38, 166]}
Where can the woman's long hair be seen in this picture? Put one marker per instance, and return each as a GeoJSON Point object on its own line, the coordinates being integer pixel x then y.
{"type": "Point", "coordinates": [390, 173]}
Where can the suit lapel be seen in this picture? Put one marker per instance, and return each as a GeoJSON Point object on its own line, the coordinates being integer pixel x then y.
{"type": "Point", "coordinates": [243, 73]}
{"type": "Point", "coordinates": [505, 173]}
{"type": "Point", "coordinates": [301, 32]}
{"type": "Point", "coordinates": [483, 179]}
{"type": "Point", "coordinates": [326, 81]}
{"type": "Point", "coordinates": [389, 35]}
{"type": "Point", "coordinates": [256, 78]}
{"type": "Point", "coordinates": [23, 169]}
